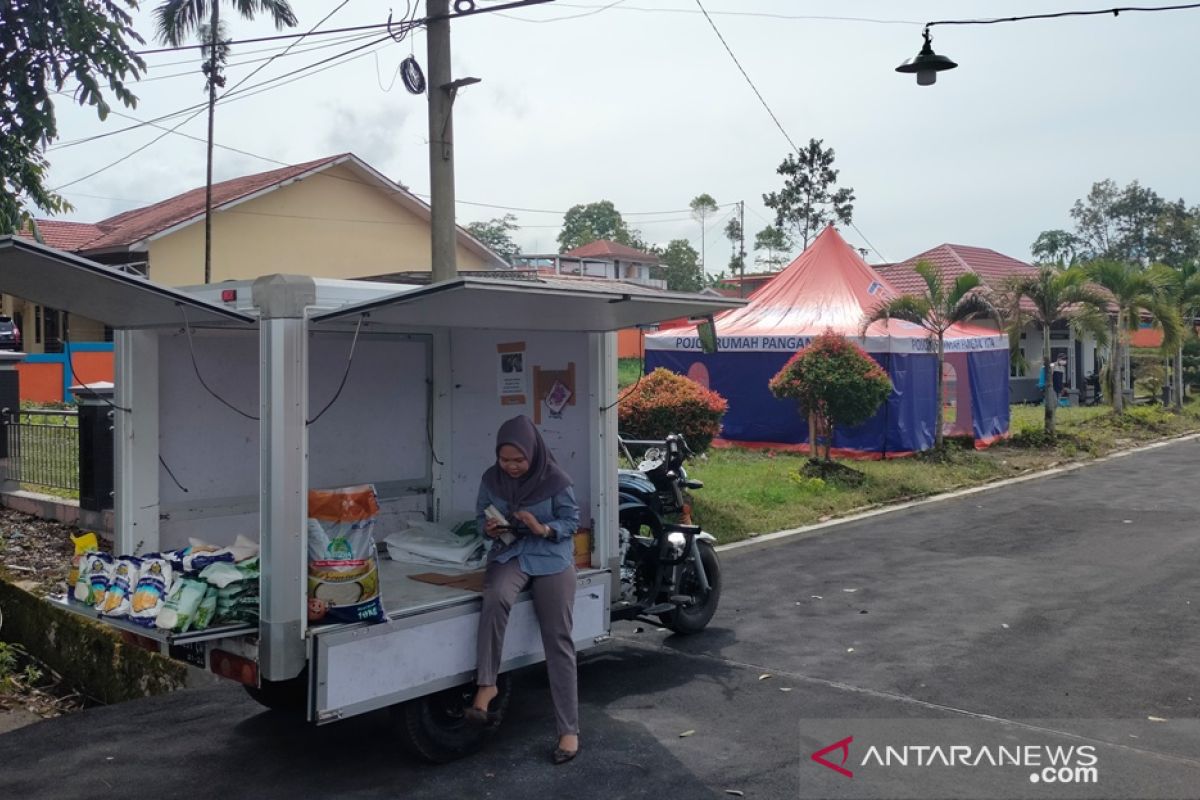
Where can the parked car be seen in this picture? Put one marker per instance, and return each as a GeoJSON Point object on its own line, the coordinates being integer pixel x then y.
{"type": "Point", "coordinates": [10, 334]}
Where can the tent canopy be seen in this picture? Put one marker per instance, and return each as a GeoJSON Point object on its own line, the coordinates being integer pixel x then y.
{"type": "Point", "coordinates": [830, 287]}
{"type": "Point", "coordinates": [827, 287]}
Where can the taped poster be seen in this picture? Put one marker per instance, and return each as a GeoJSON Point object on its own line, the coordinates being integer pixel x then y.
{"type": "Point", "coordinates": [510, 373]}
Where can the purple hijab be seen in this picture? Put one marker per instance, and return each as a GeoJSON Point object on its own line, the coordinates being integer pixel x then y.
{"type": "Point", "coordinates": [545, 477]}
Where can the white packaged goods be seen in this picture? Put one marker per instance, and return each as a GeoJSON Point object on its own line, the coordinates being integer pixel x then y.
{"type": "Point", "coordinates": [120, 589]}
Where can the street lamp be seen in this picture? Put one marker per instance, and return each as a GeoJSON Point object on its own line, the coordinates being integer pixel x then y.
{"type": "Point", "coordinates": [926, 64]}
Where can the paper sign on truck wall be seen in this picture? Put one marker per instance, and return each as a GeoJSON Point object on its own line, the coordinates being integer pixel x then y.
{"type": "Point", "coordinates": [510, 373]}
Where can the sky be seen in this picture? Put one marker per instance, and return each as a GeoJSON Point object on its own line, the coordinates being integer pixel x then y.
{"type": "Point", "coordinates": [638, 102]}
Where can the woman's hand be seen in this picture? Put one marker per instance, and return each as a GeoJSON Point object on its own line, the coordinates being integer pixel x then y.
{"type": "Point", "coordinates": [531, 522]}
{"type": "Point", "coordinates": [491, 528]}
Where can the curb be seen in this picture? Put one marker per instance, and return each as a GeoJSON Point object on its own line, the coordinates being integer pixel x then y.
{"type": "Point", "coordinates": [818, 528]}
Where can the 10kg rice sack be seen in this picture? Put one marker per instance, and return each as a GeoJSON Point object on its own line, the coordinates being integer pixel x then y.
{"type": "Point", "coordinates": [120, 588]}
{"type": "Point", "coordinates": [151, 592]}
{"type": "Point", "coordinates": [343, 564]}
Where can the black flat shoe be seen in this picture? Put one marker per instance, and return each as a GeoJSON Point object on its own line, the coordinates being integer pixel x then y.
{"type": "Point", "coordinates": [560, 756]}
{"type": "Point", "coordinates": [477, 716]}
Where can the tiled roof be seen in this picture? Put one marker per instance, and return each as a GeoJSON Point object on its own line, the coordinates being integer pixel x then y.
{"type": "Point", "coordinates": [953, 260]}
{"type": "Point", "coordinates": [64, 235]}
{"type": "Point", "coordinates": [135, 225]}
{"type": "Point", "coordinates": [605, 248]}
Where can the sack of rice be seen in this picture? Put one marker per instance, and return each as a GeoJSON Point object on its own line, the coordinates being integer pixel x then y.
{"type": "Point", "coordinates": [343, 565]}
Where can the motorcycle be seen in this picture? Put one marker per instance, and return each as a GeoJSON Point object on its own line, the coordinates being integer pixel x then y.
{"type": "Point", "coordinates": [669, 567]}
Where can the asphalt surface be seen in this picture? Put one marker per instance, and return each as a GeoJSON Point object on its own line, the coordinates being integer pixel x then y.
{"type": "Point", "coordinates": [1061, 612]}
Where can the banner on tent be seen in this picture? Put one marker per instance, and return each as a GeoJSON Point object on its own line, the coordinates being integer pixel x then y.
{"type": "Point", "coordinates": [872, 344]}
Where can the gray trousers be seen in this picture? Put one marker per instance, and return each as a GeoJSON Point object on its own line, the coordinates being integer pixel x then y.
{"type": "Point", "coordinates": [554, 604]}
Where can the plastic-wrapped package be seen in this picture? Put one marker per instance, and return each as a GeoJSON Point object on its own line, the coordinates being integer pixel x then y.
{"type": "Point", "coordinates": [99, 573]}
{"type": "Point", "coordinates": [117, 599]}
{"type": "Point", "coordinates": [83, 582]}
{"type": "Point", "coordinates": [206, 610]}
{"type": "Point", "coordinates": [343, 564]}
{"type": "Point", "coordinates": [182, 603]}
{"type": "Point", "coordinates": [150, 593]}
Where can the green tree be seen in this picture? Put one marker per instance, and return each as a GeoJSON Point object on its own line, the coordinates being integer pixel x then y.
{"type": "Point", "coordinates": [175, 20]}
{"type": "Point", "coordinates": [1181, 288]}
{"type": "Point", "coordinates": [777, 244]}
{"type": "Point", "coordinates": [1057, 247]}
{"type": "Point", "coordinates": [497, 235]}
{"type": "Point", "coordinates": [835, 383]}
{"type": "Point", "coordinates": [43, 45]}
{"type": "Point", "coordinates": [1134, 293]}
{"type": "Point", "coordinates": [1057, 296]}
{"type": "Point", "coordinates": [809, 200]}
{"type": "Point", "coordinates": [937, 309]}
{"type": "Point", "coordinates": [681, 266]}
{"type": "Point", "coordinates": [737, 259]}
{"type": "Point", "coordinates": [590, 222]}
{"type": "Point", "coordinates": [703, 206]}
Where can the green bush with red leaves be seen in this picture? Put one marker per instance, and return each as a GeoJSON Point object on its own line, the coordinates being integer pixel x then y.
{"type": "Point", "coordinates": [836, 382]}
{"type": "Point", "coordinates": [664, 402]}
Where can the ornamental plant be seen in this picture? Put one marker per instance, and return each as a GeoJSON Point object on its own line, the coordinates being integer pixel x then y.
{"type": "Point", "coordinates": [835, 383]}
{"type": "Point", "coordinates": [664, 402]}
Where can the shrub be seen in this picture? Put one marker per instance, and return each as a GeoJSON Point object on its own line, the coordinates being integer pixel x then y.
{"type": "Point", "coordinates": [664, 403]}
{"type": "Point", "coordinates": [835, 382]}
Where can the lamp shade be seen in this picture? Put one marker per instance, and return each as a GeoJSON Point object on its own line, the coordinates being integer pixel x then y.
{"type": "Point", "coordinates": [926, 64]}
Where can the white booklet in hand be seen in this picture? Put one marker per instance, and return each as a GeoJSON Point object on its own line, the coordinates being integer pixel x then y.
{"type": "Point", "coordinates": [493, 513]}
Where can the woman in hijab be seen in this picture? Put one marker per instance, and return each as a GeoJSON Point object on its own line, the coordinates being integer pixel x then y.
{"type": "Point", "coordinates": [536, 549]}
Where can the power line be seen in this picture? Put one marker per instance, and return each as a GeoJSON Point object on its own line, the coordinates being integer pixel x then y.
{"type": "Point", "coordinates": [232, 65]}
{"type": "Point", "coordinates": [467, 12]}
{"type": "Point", "coordinates": [227, 97]}
{"type": "Point", "coordinates": [203, 106]}
{"type": "Point", "coordinates": [760, 14]}
{"type": "Point", "coordinates": [742, 70]}
{"type": "Point", "coordinates": [758, 94]}
{"type": "Point", "coordinates": [1061, 14]}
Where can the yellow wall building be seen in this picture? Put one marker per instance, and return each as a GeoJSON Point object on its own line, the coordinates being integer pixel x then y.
{"type": "Point", "coordinates": [336, 217]}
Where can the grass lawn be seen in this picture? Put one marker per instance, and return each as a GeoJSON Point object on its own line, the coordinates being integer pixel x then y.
{"type": "Point", "coordinates": [748, 492]}
{"type": "Point", "coordinates": [628, 370]}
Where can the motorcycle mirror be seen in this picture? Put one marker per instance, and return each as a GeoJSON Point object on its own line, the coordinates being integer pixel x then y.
{"type": "Point", "coordinates": [706, 331]}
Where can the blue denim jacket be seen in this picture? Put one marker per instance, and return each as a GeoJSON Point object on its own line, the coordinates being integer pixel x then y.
{"type": "Point", "coordinates": [537, 555]}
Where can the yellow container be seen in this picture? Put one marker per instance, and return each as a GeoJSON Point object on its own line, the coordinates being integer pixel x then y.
{"type": "Point", "coordinates": [583, 548]}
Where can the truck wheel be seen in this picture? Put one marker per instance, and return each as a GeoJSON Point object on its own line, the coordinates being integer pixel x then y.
{"type": "Point", "coordinates": [695, 617]}
{"type": "Point", "coordinates": [287, 696]}
{"type": "Point", "coordinates": [434, 728]}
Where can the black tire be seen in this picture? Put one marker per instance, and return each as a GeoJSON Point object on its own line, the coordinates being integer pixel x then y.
{"type": "Point", "coordinates": [434, 728]}
{"type": "Point", "coordinates": [288, 697]}
{"type": "Point", "coordinates": [695, 618]}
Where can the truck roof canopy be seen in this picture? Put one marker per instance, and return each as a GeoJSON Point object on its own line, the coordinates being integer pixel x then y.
{"type": "Point", "coordinates": [539, 304]}
{"type": "Point", "coordinates": [70, 283]}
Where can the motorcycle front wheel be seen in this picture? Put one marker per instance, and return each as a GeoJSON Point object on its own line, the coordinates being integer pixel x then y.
{"type": "Point", "coordinates": [695, 616]}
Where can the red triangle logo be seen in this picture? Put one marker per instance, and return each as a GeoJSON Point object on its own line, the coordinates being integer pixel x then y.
{"type": "Point", "coordinates": [844, 747]}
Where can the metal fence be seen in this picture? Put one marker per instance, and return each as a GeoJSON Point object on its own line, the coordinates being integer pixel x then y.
{"type": "Point", "coordinates": [43, 447]}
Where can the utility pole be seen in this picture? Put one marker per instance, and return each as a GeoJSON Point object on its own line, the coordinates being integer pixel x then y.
{"type": "Point", "coordinates": [441, 142]}
{"type": "Point", "coordinates": [212, 105]}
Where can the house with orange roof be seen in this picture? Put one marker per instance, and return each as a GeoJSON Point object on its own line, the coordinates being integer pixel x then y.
{"type": "Point", "coordinates": [994, 270]}
{"type": "Point", "coordinates": [335, 217]}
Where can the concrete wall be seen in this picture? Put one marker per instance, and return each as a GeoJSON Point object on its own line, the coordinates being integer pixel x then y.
{"type": "Point", "coordinates": [335, 224]}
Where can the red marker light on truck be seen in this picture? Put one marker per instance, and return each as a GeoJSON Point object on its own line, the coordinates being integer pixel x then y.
{"type": "Point", "coordinates": [228, 295]}
{"type": "Point", "coordinates": [235, 667]}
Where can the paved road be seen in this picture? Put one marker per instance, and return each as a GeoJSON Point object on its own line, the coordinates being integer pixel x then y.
{"type": "Point", "coordinates": [1062, 612]}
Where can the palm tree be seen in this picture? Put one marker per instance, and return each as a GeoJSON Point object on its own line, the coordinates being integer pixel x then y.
{"type": "Point", "coordinates": [1183, 292]}
{"type": "Point", "coordinates": [175, 21]}
{"type": "Point", "coordinates": [1057, 296]}
{"type": "Point", "coordinates": [1136, 292]}
{"type": "Point", "coordinates": [937, 310]}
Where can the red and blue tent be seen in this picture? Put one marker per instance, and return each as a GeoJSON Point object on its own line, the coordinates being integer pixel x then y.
{"type": "Point", "coordinates": [829, 286]}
